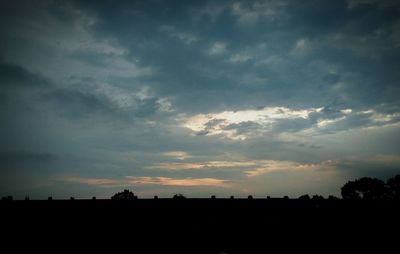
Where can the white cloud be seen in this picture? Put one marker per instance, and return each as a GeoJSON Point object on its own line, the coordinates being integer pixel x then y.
{"type": "Point", "coordinates": [165, 105]}
{"type": "Point", "coordinates": [348, 123]}
{"type": "Point", "coordinates": [346, 111]}
{"type": "Point", "coordinates": [374, 117]}
{"type": "Point", "coordinates": [253, 13]}
{"type": "Point", "coordinates": [269, 166]}
{"type": "Point", "coordinates": [180, 155]}
{"type": "Point", "coordinates": [203, 165]}
{"type": "Point", "coordinates": [251, 168]}
{"type": "Point", "coordinates": [175, 166]}
{"type": "Point", "coordinates": [260, 53]}
{"type": "Point", "coordinates": [186, 38]}
{"type": "Point", "coordinates": [271, 61]}
{"type": "Point", "coordinates": [240, 57]}
{"type": "Point", "coordinates": [217, 123]}
{"type": "Point", "coordinates": [245, 16]}
{"type": "Point", "coordinates": [217, 48]}
{"type": "Point", "coordinates": [381, 118]}
{"type": "Point", "coordinates": [301, 47]}
{"type": "Point", "coordinates": [270, 121]}
{"type": "Point", "coordinates": [325, 122]}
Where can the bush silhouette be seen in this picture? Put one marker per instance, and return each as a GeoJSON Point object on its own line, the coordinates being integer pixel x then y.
{"type": "Point", "coordinates": [393, 187]}
{"type": "Point", "coordinates": [317, 197]}
{"type": "Point", "coordinates": [364, 188]}
{"type": "Point", "coordinates": [125, 195]}
{"type": "Point", "coordinates": [305, 197]}
{"type": "Point", "coordinates": [179, 197]}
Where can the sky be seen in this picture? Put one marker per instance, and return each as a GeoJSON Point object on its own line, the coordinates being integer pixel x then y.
{"type": "Point", "coordinates": [262, 98]}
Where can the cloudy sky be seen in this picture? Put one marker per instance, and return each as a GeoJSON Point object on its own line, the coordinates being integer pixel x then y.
{"type": "Point", "coordinates": [268, 97]}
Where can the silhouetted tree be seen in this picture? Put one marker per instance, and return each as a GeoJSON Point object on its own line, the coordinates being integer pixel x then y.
{"type": "Point", "coordinates": [125, 195]}
{"type": "Point", "coordinates": [317, 197]}
{"type": "Point", "coordinates": [178, 196]}
{"type": "Point", "coordinates": [393, 187]}
{"type": "Point", "coordinates": [305, 197]}
{"type": "Point", "coordinates": [364, 188]}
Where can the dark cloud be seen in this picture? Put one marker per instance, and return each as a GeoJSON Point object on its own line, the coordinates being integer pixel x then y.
{"type": "Point", "coordinates": [293, 125]}
{"type": "Point", "coordinates": [24, 157]}
{"type": "Point", "coordinates": [186, 70]}
{"type": "Point", "coordinates": [108, 86]}
{"type": "Point", "coordinates": [18, 88]}
{"type": "Point", "coordinates": [14, 76]}
{"type": "Point", "coordinates": [380, 166]}
{"type": "Point", "coordinates": [79, 103]}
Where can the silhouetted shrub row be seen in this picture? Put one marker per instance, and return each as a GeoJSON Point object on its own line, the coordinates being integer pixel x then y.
{"type": "Point", "coordinates": [364, 188]}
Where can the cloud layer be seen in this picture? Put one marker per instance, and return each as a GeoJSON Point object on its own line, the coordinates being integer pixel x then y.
{"type": "Point", "coordinates": [262, 97]}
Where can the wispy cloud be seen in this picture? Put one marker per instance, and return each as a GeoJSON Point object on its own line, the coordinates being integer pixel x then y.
{"type": "Point", "coordinates": [180, 155]}
{"type": "Point", "coordinates": [270, 166]}
{"type": "Point", "coordinates": [244, 124]}
{"type": "Point", "coordinates": [185, 37]}
{"type": "Point", "coordinates": [301, 47]}
{"type": "Point", "coordinates": [217, 48]}
{"type": "Point", "coordinates": [254, 168]}
{"type": "Point", "coordinates": [250, 168]}
{"type": "Point", "coordinates": [201, 165]}
{"type": "Point", "coordinates": [178, 182]}
{"type": "Point", "coordinates": [175, 166]}
{"type": "Point", "coordinates": [149, 180]}
{"type": "Point", "coordinates": [270, 10]}
{"type": "Point", "coordinates": [101, 182]}
{"type": "Point", "coordinates": [221, 123]}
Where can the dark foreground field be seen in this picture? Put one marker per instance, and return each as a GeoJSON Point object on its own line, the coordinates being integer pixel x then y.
{"type": "Point", "coordinates": [201, 225]}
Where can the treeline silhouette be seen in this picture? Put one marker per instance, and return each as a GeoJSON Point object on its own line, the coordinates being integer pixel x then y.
{"type": "Point", "coordinates": [365, 188]}
{"type": "Point", "coordinates": [372, 188]}
{"type": "Point", "coordinates": [367, 216]}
